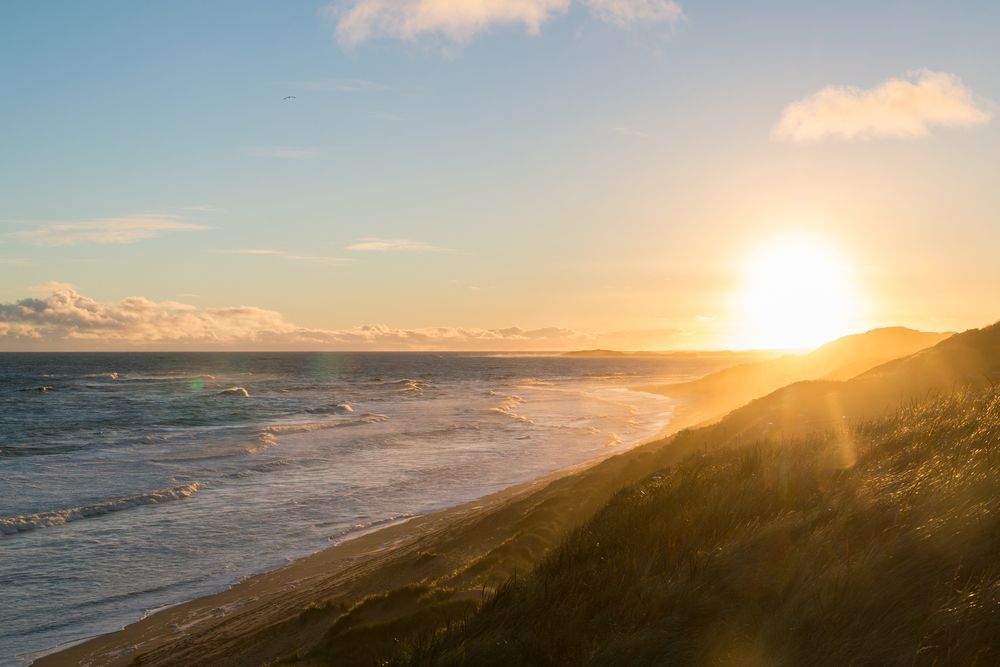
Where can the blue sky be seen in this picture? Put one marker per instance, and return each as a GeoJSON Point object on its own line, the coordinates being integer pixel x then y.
{"type": "Point", "coordinates": [599, 175]}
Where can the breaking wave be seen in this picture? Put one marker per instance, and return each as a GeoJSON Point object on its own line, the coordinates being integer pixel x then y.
{"type": "Point", "coordinates": [410, 385]}
{"type": "Point", "coordinates": [235, 391]}
{"type": "Point", "coordinates": [507, 406]}
{"type": "Point", "coordinates": [308, 427]}
{"type": "Point", "coordinates": [26, 522]}
{"type": "Point", "coordinates": [332, 409]}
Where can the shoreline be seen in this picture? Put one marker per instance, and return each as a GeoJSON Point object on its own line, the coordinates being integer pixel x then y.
{"type": "Point", "coordinates": [346, 571]}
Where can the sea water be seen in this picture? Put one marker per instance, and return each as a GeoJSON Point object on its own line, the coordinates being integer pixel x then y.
{"type": "Point", "coordinates": [129, 482]}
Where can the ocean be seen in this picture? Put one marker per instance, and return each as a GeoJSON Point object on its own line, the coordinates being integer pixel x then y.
{"type": "Point", "coordinates": [133, 481]}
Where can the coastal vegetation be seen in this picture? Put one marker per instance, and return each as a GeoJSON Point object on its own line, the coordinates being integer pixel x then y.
{"type": "Point", "coordinates": [829, 522]}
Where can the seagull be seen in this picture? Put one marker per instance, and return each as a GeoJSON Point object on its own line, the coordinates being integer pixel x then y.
{"type": "Point", "coordinates": [290, 97]}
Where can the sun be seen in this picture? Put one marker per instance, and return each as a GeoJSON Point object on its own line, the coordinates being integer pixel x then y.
{"type": "Point", "coordinates": [797, 292]}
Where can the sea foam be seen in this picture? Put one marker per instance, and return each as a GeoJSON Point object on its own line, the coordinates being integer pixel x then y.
{"type": "Point", "coordinates": [26, 522]}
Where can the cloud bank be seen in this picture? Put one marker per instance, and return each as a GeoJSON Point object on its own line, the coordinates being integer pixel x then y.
{"type": "Point", "coordinates": [67, 319]}
{"type": "Point", "coordinates": [897, 108]}
{"type": "Point", "coordinates": [458, 21]}
{"type": "Point", "coordinates": [122, 230]}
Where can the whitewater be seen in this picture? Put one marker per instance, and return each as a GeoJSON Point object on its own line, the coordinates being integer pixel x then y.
{"type": "Point", "coordinates": [129, 482]}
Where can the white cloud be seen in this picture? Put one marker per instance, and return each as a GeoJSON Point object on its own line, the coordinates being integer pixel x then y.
{"type": "Point", "coordinates": [624, 13]}
{"type": "Point", "coordinates": [127, 229]}
{"type": "Point", "coordinates": [284, 152]}
{"type": "Point", "coordinates": [375, 244]}
{"type": "Point", "coordinates": [271, 252]}
{"type": "Point", "coordinates": [458, 21]}
{"type": "Point", "coordinates": [902, 108]}
{"type": "Point", "coordinates": [68, 319]}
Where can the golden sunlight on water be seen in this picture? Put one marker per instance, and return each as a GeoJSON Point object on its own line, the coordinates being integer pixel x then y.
{"type": "Point", "coordinates": [797, 292]}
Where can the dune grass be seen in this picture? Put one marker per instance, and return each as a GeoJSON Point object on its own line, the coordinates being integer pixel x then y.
{"type": "Point", "coordinates": [877, 542]}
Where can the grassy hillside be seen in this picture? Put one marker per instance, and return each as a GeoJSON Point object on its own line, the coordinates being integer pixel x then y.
{"type": "Point", "coordinates": [804, 531]}
{"type": "Point", "coordinates": [734, 542]}
{"type": "Point", "coordinates": [876, 544]}
{"type": "Point", "coordinates": [844, 358]}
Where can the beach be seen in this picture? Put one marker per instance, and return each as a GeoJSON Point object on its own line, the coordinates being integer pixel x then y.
{"type": "Point", "coordinates": [466, 550]}
{"type": "Point", "coordinates": [191, 473]}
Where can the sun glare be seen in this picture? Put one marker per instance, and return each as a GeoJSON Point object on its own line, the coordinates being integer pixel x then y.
{"type": "Point", "coordinates": [797, 293]}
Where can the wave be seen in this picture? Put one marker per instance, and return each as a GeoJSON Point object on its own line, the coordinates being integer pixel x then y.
{"type": "Point", "coordinates": [265, 440]}
{"type": "Point", "coordinates": [536, 382]}
{"type": "Point", "coordinates": [332, 409]}
{"type": "Point", "coordinates": [26, 522]}
{"type": "Point", "coordinates": [308, 427]}
{"type": "Point", "coordinates": [507, 406]}
{"type": "Point", "coordinates": [111, 376]}
{"type": "Point", "coordinates": [235, 391]}
{"type": "Point", "coordinates": [409, 385]}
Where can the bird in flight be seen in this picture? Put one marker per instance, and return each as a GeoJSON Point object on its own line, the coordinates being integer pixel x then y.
{"type": "Point", "coordinates": [290, 97]}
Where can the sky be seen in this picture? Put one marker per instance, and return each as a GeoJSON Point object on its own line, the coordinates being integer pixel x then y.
{"type": "Point", "coordinates": [491, 174]}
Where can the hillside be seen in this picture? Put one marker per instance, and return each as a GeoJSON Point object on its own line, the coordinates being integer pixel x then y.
{"type": "Point", "coordinates": [814, 551]}
{"type": "Point", "coordinates": [798, 534]}
{"type": "Point", "coordinates": [747, 539]}
{"type": "Point", "coordinates": [722, 391]}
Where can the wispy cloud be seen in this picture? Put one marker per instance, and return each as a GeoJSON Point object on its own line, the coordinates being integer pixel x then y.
{"type": "Point", "coordinates": [271, 252]}
{"type": "Point", "coordinates": [624, 13]}
{"type": "Point", "coordinates": [900, 108]}
{"type": "Point", "coordinates": [123, 230]}
{"type": "Point", "coordinates": [375, 244]}
{"type": "Point", "coordinates": [284, 152]}
{"type": "Point", "coordinates": [458, 21]}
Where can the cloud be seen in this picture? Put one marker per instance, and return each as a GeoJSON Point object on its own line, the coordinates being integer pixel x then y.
{"type": "Point", "coordinates": [284, 152]}
{"type": "Point", "coordinates": [898, 108]}
{"type": "Point", "coordinates": [458, 21]}
{"type": "Point", "coordinates": [68, 319]}
{"type": "Point", "coordinates": [271, 252]}
{"type": "Point", "coordinates": [127, 229]}
{"type": "Point", "coordinates": [375, 244]}
{"type": "Point", "coordinates": [624, 13]}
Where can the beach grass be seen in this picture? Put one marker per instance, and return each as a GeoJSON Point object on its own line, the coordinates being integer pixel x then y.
{"type": "Point", "coordinates": [872, 544]}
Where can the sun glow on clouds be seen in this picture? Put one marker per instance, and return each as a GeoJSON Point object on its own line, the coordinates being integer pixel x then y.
{"type": "Point", "coordinates": [458, 21]}
{"type": "Point", "coordinates": [797, 292]}
{"type": "Point", "coordinates": [67, 318]}
{"type": "Point", "coordinates": [123, 230]}
{"type": "Point", "coordinates": [900, 108]}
